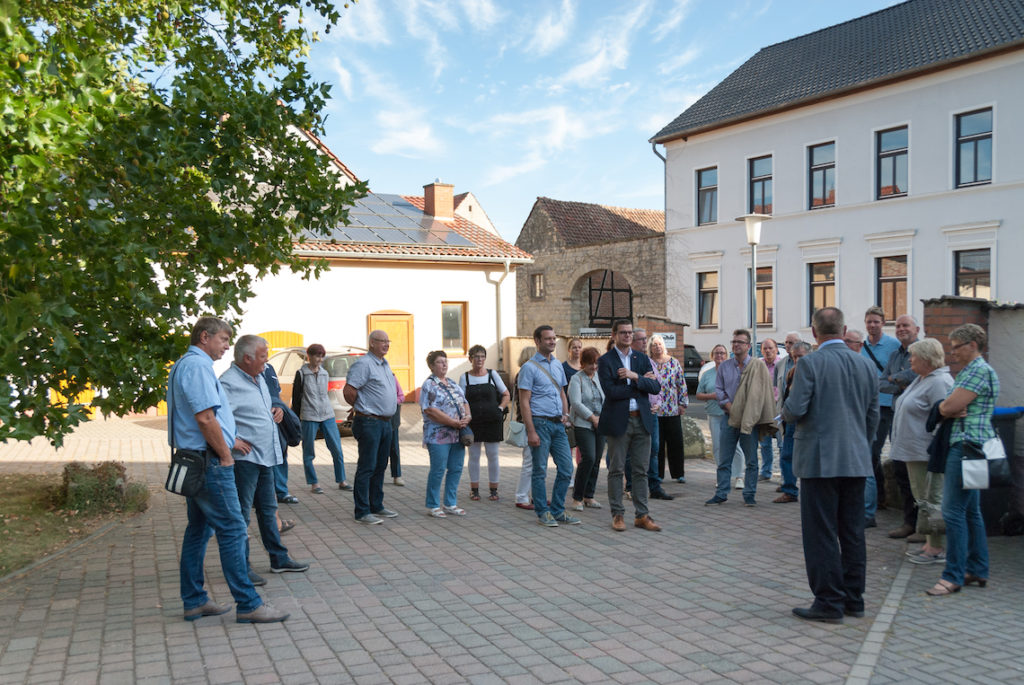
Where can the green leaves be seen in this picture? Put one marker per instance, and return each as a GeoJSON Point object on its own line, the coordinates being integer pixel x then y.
{"type": "Point", "coordinates": [147, 175]}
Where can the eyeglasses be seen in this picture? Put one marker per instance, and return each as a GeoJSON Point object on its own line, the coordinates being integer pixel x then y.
{"type": "Point", "coordinates": [624, 333]}
{"type": "Point", "coordinates": [955, 346]}
{"type": "Point", "coordinates": [853, 342]}
{"type": "Point", "coordinates": [479, 356]}
{"type": "Point", "coordinates": [378, 340]}
{"type": "Point", "coordinates": [740, 342]}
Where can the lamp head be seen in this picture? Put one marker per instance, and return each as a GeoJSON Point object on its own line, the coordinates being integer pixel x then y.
{"type": "Point", "coordinates": [753, 226]}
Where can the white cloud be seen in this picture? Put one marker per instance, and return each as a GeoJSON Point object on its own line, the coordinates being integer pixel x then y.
{"type": "Point", "coordinates": [362, 23]}
{"type": "Point", "coordinates": [499, 174]}
{"type": "Point", "coordinates": [609, 49]}
{"type": "Point", "coordinates": [421, 22]}
{"type": "Point", "coordinates": [679, 61]}
{"type": "Point", "coordinates": [672, 20]}
{"type": "Point", "coordinates": [405, 133]}
{"type": "Point", "coordinates": [552, 30]}
{"type": "Point", "coordinates": [344, 77]}
{"type": "Point", "coordinates": [481, 13]}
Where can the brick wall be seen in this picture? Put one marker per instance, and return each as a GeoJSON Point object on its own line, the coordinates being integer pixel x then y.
{"type": "Point", "coordinates": [943, 314]}
{"type": "Point", "coordinates": [659, 324]}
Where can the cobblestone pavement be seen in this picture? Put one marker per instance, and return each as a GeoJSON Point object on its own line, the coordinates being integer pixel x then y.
{"type": "Point", "coordinates": [491, 597]}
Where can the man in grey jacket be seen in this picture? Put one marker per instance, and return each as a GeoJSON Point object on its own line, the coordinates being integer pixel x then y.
{"type": "Point", "coordinates": [834, 403]}
{"type": "Point", "coordinates": [895, 379]}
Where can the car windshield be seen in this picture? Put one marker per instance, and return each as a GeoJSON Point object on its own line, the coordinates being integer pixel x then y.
{"type": "Point", "coordinates": [338, 366]}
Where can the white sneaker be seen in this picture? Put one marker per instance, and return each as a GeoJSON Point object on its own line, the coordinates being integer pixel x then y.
{"type": "Point", "coordinates": [399, 482]}
{"type": "Point", "coordinates": [454, 511]}
{"type": "Point", "coordinates": [739, 483]}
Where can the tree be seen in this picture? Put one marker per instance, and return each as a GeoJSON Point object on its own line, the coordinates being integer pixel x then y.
{"type": "Point", "coordinates": [149, 173]}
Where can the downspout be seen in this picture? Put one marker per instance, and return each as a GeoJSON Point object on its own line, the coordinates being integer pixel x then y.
{"type": "Point", "coordinates": [664, 192]}
{"type": "Point", "coordinates": [497, 308]}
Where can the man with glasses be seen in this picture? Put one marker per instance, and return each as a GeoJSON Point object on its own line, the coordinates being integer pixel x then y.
{"type": "Point", "coordinates": [370, 389]}
{"type": "Point", "coordinates": [726, 384]}
{"type": "Point", "coordinates": [654, 489]}
{"type": "Point", "coordinates": [627, 423]}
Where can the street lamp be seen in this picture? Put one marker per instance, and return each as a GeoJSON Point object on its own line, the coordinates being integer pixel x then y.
{"type": "Point", "coordinates": [753, 226]}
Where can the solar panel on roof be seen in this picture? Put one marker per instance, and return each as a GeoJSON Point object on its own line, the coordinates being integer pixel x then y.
{"type": "Point", "coordinates": [456, 239]}
{"type": "Point", "coordinates": [391, 235]}
{"type": "Point", "coordinates": [360, 234]}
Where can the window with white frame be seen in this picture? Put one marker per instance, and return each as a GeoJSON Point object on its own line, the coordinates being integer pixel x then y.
{"type": "Point", "coordinates": [707, 196]}
{"type": "Point", "coordinates": [892, 171]}
{"type": "Point", "coordinates": [821, 175]}
{"type": "Point", "coordinates": [891, 286]}
{"type": "Point", "coordinates": [974, 148]}
{"type": "Point", "coordinates": [972, 270]}
{"type": "Point", "coordinates": [821, 286]}
{"type": "Point", "coordinates": [707, 299]}
{"type": "Point", "coordinates": [760, 173]}
{"type": "Point", "coordinates": [764, 295]}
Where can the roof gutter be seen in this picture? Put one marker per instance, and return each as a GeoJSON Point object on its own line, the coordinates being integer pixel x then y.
{"type": "Point", "coordinates": [469, 259]}
{"type": "Point", "coordinates": [497, 309]}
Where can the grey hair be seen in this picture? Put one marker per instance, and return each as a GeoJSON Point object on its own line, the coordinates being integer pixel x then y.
{"type": "Point", "coordinates": [802, 345]}
{"type": "Point", "coordinates": [247, 346]}
{"type": "Point", "coordinates": [656, 338]}
{"type": "Point", "coordinates": [929, 350]}
{"type": "Point", "coordinates": [970, 332]}
{"type": "Point", "coordinates": [210, 325]}
{"type": "Point", "coordinates": [526, 354]}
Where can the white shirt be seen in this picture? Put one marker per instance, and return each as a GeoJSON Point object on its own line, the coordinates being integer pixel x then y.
{"type": "Point", "coordinates": [625, 362]}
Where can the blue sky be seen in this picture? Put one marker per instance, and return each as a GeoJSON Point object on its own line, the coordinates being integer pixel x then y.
{"type": "Point", "coordinates": [519, 99]}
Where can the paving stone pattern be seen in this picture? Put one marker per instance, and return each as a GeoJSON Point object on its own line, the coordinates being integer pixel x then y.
{"type": "Point", "coordinates": [491, 597]}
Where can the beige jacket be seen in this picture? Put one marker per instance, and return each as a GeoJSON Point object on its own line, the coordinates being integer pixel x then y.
{"type": "Point", "coordinates": [754, 406]}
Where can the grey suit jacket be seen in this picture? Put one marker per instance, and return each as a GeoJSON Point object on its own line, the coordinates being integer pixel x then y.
{"type": "Point", "coordinates": [834, 404]}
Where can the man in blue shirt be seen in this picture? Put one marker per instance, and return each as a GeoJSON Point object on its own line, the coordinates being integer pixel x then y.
{"type": "Point", "coordinates": [545, 414]}
{"type": "Point", "coordinates": [256, 420]}
{"type": "Point", "coordinates": [878, 348]}
{"type": "Point", "coordinates": [200, 418]}
{"type": "Point", "coordinates": [370, 389]}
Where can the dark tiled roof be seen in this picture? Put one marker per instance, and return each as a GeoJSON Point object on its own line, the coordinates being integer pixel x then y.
{"type": "Point", "coordinates": [486, 245]}
{"type": "Point", "coordinates": [868, 51]}
{"type": "Point", "coordinates": [581, 223]}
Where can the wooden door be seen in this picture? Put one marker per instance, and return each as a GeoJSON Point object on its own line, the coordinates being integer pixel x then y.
{"type": "Point", "coordinates": [398, 326]}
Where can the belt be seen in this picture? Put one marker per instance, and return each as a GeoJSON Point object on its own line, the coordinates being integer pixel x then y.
{"type": "Point", "coordinates": [634, 413]}
{"type": "Point", "coordinates": [552, 419]}
{"type": "Point", "coordinates": [373, 416]}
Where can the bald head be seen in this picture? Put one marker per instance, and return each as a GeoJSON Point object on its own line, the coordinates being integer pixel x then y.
{"type": "Point", "coordinates": [379, 343]}
{"type": "Point", "coordinates": [906, 329]}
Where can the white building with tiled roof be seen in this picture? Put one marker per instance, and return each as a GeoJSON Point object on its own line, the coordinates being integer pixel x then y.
{"type": "Point", "coordinates": [888, 150]}
{"type": "Point", "coordinates": [407, 264]}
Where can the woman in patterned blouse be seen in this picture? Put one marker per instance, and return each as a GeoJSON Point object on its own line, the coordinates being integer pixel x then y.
{"type": "Point", "coordinates": [445, 413]}
{"type": "Point", "coordinates": [669, 405]}
{"type": "Point", "coordinates": [971, 403]}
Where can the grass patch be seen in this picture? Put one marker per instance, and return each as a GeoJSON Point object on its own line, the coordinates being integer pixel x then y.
{"type": "Point", "coordinates": [36, 518]}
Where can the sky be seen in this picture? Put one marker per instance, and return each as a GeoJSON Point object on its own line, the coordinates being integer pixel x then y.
{"type": "Point", "coordinates": [525, 98]}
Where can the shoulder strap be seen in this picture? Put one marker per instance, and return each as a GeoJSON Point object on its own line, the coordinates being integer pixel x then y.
{"type": "Point", "coordinates": [873, 357]}
{"type": "Point", "coordinates": [444, 386]}
{"type": "Point", "coordinates": [170, 405]}
{"type": "Point", "coordinates": [547, 373]}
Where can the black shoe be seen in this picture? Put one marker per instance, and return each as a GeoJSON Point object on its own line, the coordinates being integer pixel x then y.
{"type": "Point", "coordinates": [290, 499]}
{"type": "Point", "coordinates": [749, 502]}
{"type": "Point", "coordinates": [854, 610]}
{"type": "Point", "coordinates": [714, 500]}
{"type": "Point", "coordinates": [661, 494]}
{"type": "Point", "coordinates": [870, 523]}
{"type": "Point", "coordinates": [813, 614]}
{"type": "Point", "coordinates": [290, 566]}
{"type": "Point", "coordinates": [256, 579]}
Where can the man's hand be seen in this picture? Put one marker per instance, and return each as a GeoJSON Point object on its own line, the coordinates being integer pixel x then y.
{"type": "Point", "coordinates": [532, 439]}
{"type": "Point", "coordinates": [242, 446]}
{"type": "Point", "coordinates": [278, 414]}
{"type": "Point", "coordinates": [650, 374]}
{"type": "Point", "coordinates": [627, 374]}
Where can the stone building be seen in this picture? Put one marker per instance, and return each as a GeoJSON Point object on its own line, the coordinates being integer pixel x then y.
{"type": "Point", "coordinates": [592, 264]}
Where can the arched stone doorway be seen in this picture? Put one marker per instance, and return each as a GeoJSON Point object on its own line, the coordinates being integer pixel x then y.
{"type": "Point", "coordinates": [600, 297]}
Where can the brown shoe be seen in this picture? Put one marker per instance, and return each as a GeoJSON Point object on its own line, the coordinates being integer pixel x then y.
{"type": "Point", "coordinates": [618, 523]}
{"type": "Point", "coordinates": [916, 537]}
{"type": "Point", "coordinates": [901, 532]}
{"type": "Point", "coordinates": [646, 522]}
{"type": "Point", "coordinates": [784, 498]}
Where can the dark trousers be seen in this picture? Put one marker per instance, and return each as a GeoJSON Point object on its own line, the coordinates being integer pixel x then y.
{"type": "Point", "coordinates": [881, 435]}
{"type": "Point", "coordinates": [374, 439]}
{"type": "Point", "coordinates": [832, 522]}
{"type": "Point", "coordinates": [670, 449]}
{"type": "Point", "coordinates": [395, 456]}
{"type": "Point", "coordinates": [903, 481]}
{"type": "Point", "coordinates": [591, 445]}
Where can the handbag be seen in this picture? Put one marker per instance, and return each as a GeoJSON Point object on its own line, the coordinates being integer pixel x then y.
{"type": "Point", "coordinates": [985, 466]}
{"type": "Point", "coordinates": [187, 473]}
{"type": "Point", "coordinates": [466, 436]}
{"type": "Point", "coordinates": [570, 433]}
{"type": "Point", "coordinates": [516, 429]}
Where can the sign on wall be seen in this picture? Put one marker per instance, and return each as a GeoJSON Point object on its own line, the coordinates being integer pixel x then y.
{"type": "Point", "coordinates": [669, 338]}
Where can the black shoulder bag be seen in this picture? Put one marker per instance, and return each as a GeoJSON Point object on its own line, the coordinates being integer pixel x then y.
{"type": "Point", "coordinates": [187, 474]}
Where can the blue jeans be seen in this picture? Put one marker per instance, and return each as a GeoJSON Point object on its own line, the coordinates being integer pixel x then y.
{"type": "Point", "coordinates": [786, 461]}
{"type": "Point", "coordinates": [767, 456]}
{"type": "Point", "coordinates": [966, 545]}
{"type": "Point", "coordinates": [374, 439]}
{"type": "Point", "coordinates": [870, 497]}
{"type": "Point", "coordinates": [653, 480]}
{"type": "Point", "coordinates": [216, 510]}
{"type": "Point", "coordinates": [256, 489]}
{"type": "Point", "coordinates": [329, 428]}
{"type": "Point", "coordinates": [281, 473]}
{"type": "Point", "coordinates": [554, 442]}
{"type": "Point", "coordinates": [729, 438]}
{"type": "Point", "coordinates": [445, 463]}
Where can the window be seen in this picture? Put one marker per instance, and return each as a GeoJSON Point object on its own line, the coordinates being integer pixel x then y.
{"type": "Point", "coordinates": [453, 326]}
{"type": "Point", "coordinates": [761, 185]}
{"type": "Point", "coordinates": [891, 286]}
{"type": "Point", "coordinates": [537, 286]}
{"type": "Point", "coordinates": [822, 177]}
{"type": "Point", "coordinates": [973, 269]}
{"type": "Point", "coordinates": [707, 196]}
{"type": "Point", "coordinates": [892, 162]}
{"type": "Point", "coordinates": [707, 303]}
{"type": "Point", "coordinates": [974, 148]}
{"type": "Point", "coordinates": [821, 278]}
{"type": "Point", "coordinates": [764, 296]}
{"type": "Point", "coordinates": [610, 298]}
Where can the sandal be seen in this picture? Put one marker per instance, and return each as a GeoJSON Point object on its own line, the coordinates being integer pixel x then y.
{"type": "Point", "coordinates": [286, 525]}
{"type": "Point", "coordinates": [494, 495]}
{"type": "Point", "coordinates": [438, 513]}
{"type": "Point", "coordinates": [474, 494]}
{"type": "Point", "coordinates": [591, 504]}
{"type": "Point", "coordinates": [344, 486]}
{"type": "Point", "coordinates": [943, 588]}
{"type": "Point", "coordinates": [317, 490]}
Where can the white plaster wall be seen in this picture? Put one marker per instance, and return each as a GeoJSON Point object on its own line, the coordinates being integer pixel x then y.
{"type": "Point", "coordinates": [1005, 332]}
{"type": "Point", "coordinates": [333, 310]}
{"type": "Point", "coordinates": [927, 225]}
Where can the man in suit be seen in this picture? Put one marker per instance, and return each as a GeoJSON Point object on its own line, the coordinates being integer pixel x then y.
{"type": "Point", "coordinates": [626, 421]}
{"type": "Point", "coordinates": [834, 403]}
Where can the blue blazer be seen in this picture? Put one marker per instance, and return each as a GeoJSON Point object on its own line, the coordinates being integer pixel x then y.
{"type": "Point", "coordinates": [618, 393]}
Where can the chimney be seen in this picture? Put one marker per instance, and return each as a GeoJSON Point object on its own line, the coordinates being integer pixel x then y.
{"type": "Point", "coordinates": [438, 200]}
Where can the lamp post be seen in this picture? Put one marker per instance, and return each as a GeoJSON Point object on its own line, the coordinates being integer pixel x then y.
{"type": "Point", "coordinates": [753, 226]}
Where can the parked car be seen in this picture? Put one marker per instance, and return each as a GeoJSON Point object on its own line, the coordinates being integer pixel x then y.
{"type": "Point", "coordinates": [692, 362]}
{"type": "Point", "coordinates": [336, 363]}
